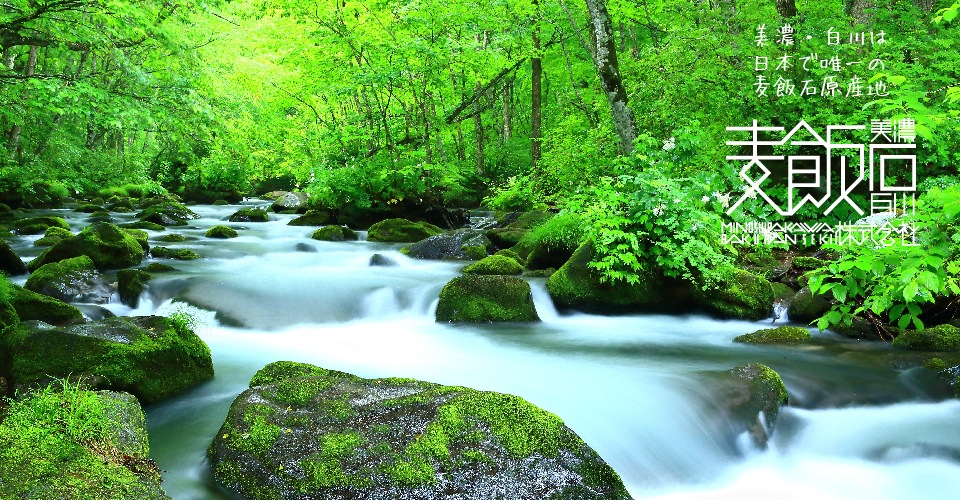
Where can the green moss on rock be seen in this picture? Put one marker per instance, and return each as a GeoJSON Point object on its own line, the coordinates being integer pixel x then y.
{"type": "Point", "coordinates": [73, 443]}
{"type": "Point", "coordinates": [942, 338]}
{"type": "Point", "coordinates": [250, 215]}
{"type": "Point", "coordinates": [221, 231]}
{"type": "Point", "coordinates": [172, 238]}
{"type": "Point", "coordinates": [156, 267]}
{"type": "Point", "coordinates": [141, 236]}
{"type": "Point", "coordinates": [107, 245]}
{"type": "Point", "coordinates": [130, 285]}
{"type": "Point", "coordinates": [401, 231]}
{"type": "Point", "coordinates": [36, 306]}
{"type": "Point", "coordinates": [37, 225]}
{"type": "Point", "coordinates": [143, 225]}
{"type": "Point", "coordinates": [10, 262]}
{"type": "Point", "coordinates": [335, 233]}
{"type": "Point", "coordinates": [506, 252]}
{"type": "Point", "coordinates": [150, 356]}
{"type": "Point", "coordinates": [174, 253]}
{"type": "Point", "coordinates": [805, 307]}
{"type": "Point", "coordinates": [494, 264]}
{"type": "Point", "coordinates": [779, 335]}
{"type": "Point", "coordinates": [64, 279]}
{"type": "Point", "coordinates": [401, 438]}
{"type": "Point", "coordinates": [478, 298]}
{"type": "Point", "coordinates": [808, 263]}
{"type": "Point", "coordinates": [312, 218]}
{"type": "Point", "coordinates": [753, 395]}
{"type": "Point", "coordinates": [459, 244]}
{"type": "Point", "coordinates": [742, 295]}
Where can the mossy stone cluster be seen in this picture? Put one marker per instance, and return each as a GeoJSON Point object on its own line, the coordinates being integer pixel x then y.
{"type": "Point", "coordinates": [172, 238]}
{"type": "Point", "coordinates": [141, 236]}
{"type": "Point", "coordinates": [496, 265]}
{"type": "Point", "coordinates": [166, 213]}
{"type": "Point", "coordinates": [804, 263]}
{"type": "Point", "coordinates": [52, 236]}
{"type": "Point", "coordinates": [221, 231]}
{"type": "Point", "coordinates": [250, 215]}
{"type": "Point", "coordinates": [70, 442]}
{"type": "Point", "coordinates": [514, 226]}
{"type": "Point", "coordinates": [37, 306]}
{"type": "Point", "coordinates": [150, 356]}
{"type": "Point", "coordinates": [306, 432]}
{"type": "Point", "coordinates": [38, 225]}
{"type": "Point", "coordinates": [335, 233]}
{"type": "Point", "coordinates": [779, 335]}
{"type": "Point", "coordinates": [482, 299]}
{"type": "Point", "coordinates": [401, 231]}
{"type": "Point", "coordinates": [942, 338]}
{"type": "Point", "coordinates": [108, 246]}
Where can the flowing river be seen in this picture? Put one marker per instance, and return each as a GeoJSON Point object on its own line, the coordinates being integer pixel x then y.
{"type": "Point", "coordinates": [630, 386]}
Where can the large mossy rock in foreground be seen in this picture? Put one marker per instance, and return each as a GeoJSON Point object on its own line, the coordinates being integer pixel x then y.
{"type": "Point", "coordinates": [742, 295]}
{"type": "Point", "coordinates": [479, 298]}
{"type": "Point", "coordinates": [65, 280]}
{"type": "Point", "coordinates": [779, 335]}
{"type": "Point", "coordinates": [301, 431]}
{"type": "Point", "coordinates": [941, 338]}
{"type": "Point", "coordinates": [78, 444]}
{"type": "Point", "coordinates": [461, 244]}
{"type": "Point", "coordinates": [108, 246]}
{"type": "Point", "coordinates": [401, 231]}
{"type": "Point", "coordinates": [37, 306]}
{"type": "Point", "coordinates": [576, 286]}
{"type": "Point", "coordinates": [150, 356]}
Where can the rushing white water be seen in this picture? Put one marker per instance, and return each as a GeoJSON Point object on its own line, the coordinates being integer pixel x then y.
{"type": "Point", "coordinates": [632, 387]}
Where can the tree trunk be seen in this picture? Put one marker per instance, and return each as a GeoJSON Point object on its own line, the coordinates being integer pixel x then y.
{"type": "Point", "coordinates": [536, 79]}
{"type": "Point", "coordinates": [29, 71]}
{"type": "Point", "coordinates": [507, 108]}
{"type": "Point", "coordinates": [478, 128]}
{"type": "Point", "coordinates": [786, 8]}
{"type": "Point", "coordinates": [857, 9]}
{"type": "Point", "coordinates": [605, 60]}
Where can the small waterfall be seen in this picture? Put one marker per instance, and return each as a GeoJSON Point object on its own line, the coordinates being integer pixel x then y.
{"type": "Point", "coordinates": [542, 301]}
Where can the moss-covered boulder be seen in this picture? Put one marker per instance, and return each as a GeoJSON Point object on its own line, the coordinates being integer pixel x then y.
{"type": "Point", "coordinates": [494, 264]}
{"type": "Point", "coordinates": [312, 218]}
{"type": "Point", "coordinates": [506, 252]}
{"type": "Point", "coordinates": [141, 236]}
{"type": "Point", "coordinates": [552, 243]}
{"type": "Point", "coordinates": [752, 395]}
{"type": "Point", "coordinates": [941, 338]}
{"type": "Point", "coordinates": [7, 213]}
{"type": "Point", "coordinates": [150, 356]}
{"type": "Point", "coordinates": [805, 307]}
{"type": "Point", "coordinates": [250, 215]}
{"type": "Point", "coordinates": [335, 233]}
{"type": "Point", "coordinates": [37, 306]}
{"type": "Point", "coordinates": [10, 262]}
{"type": "Point", "coordinates": [460, 244]}
{"type": "Point", "coordinates": [52, 236]}
{"type": "Point", "coordinates": [221, 231]}
{"type": "Point", "coordinates": [88, 208]}
{"type": "Point", "coordinates": [172, 238]}
{"type": "Point", "coordinates": [803, 263]}
{"type": "Point", "coordinates": [157, 267]}
{"type": "Point", "coordinates": [742, 295]}
{"type": "Point", "coordinates": [478, 298]}
{"type": "Point", "coordinates": [68, 442]}
{"type": "Point", "coordinates": [107, 245]}
{"type": "Point", "coordinates": [174, 253]}
{"type": "Point", "coordinates": [39, 225]}
{"type": "Point", "coordinates": [166, 213]}
{"type": "Point", "coordinates": [378, 259]}
{"type": "Point", "coordinates": [289, 201]}
{"type": "Point", "coordinates": [143, 225]}
{"type": "Point", "coordinates": [779, 335]}
{"type": "Point", "coordinates": [65, 280]}
{"type": "Point", "coordinates": [121, 205]}
{"type": "Point", "coordinates": [577, 286]}
{"type": "Point", "coordinates": [301, 431]}
{"type": "Point", "coordinates": [130, 285]}
{"type": "Point", "coordinates": [401, 231]}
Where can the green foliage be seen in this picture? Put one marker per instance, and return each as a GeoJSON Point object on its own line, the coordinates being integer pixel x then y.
{"type": "Point", "coordinates": [894, 282]}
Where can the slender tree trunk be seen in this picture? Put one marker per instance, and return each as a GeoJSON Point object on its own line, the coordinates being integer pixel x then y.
{"type": "Point", "coordinates": [478, 129]}
{"type": "Point", "coordinates": [605, 60]}
{"type": "Point", "coordinates": [507, 108]}
{"type": "Point", "coordinates": [29, 71]}
{"type": "Point", "coordinates": [786, 8]}
{"type": "Point", "coordinates": [858, 9]}
{"type": "Point", "coordinates": [536, 80]}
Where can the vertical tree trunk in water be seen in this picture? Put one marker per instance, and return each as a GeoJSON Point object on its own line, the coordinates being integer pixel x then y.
{"type": "Point", "coordinates": [536, 79]}
{"type": "Point", "coordinates": [478, 128]}
{"type": "Point", "coordinates": [605, 60]}
{"type": "Point", "coordinates": [786, 8]}
{"type": "Point", "coordinates": [30, 70]}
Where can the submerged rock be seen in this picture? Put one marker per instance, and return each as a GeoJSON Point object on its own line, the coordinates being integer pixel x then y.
{"type": "Point", "coordinates": [68, 442]}
{"type": "Point", "coordinates": [250, 215]}
{"type": "Point", "coordinates": [401, 231]}
{"type": "Point", "coordinates": [753, 395]}
{"type": "Point", "coordinates": [335, 233]}
{"type": "Point", "coordinates": [150, 356]}
{"type": "Point", "coordinates": [107, 245]}
{"type": "Point", "coordinates": [301, 431]}
{"type": "Point", "coordinates": [479, 298]}
{"type": "Point", "coordinates": [130, 285]}
{"type": "Point", "coordinates": [378, 259]}
{"type": "Point", "coordinates": [456, 245]}
{"type": "Point", "coordinates": [494, 264]}
{"type": "Point", "coordinates": [779, 335]}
